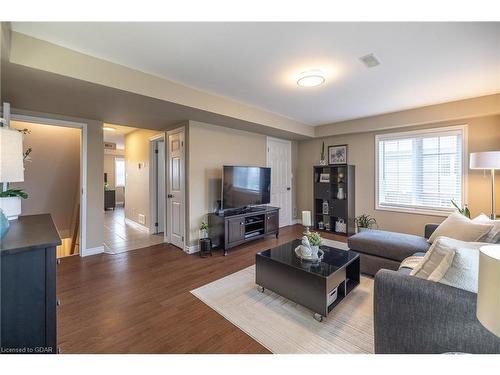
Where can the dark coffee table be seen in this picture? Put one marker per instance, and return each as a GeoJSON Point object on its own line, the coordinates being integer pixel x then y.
{"type": "Point", "coordinates": [308, 284]}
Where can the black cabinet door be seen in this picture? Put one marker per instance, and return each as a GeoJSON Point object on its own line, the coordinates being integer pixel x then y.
{"type": "Point", "coordinates": [272, 221]}
{"type": "Point", "coordinates": [235, 229]}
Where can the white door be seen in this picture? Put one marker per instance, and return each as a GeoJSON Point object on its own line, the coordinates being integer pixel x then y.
{"type": "Point", "coordinates": [175, 187]}
{"type": "Point", "coordinates": [279, 158]}
{"type": "Point", "coordinates": [160, 198]}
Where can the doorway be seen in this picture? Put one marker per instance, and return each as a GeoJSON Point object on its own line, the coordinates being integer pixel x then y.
{"type": "Point", "coordinates": [279, 159]}
{"type": "Point", "coordinates": [55, 177]}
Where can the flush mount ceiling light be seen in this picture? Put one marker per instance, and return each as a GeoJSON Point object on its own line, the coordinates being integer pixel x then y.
{"type": "Point", "coordinates": [108, 128]}
{"type": "Point", "coordinates": [311, 78]}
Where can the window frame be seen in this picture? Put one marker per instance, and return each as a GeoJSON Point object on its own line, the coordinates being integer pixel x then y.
{"type": "Point", "coordinates": [423, 210]}
{"type": "Point", "coordinates": [124, 171]}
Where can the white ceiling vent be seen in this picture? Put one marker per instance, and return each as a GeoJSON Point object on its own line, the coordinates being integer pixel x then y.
{"type": "Point", "coordinates": [370, 60]}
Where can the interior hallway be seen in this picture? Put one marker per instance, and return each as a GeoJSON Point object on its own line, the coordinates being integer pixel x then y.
{"type": "Point", "coordinates": [121, 236]}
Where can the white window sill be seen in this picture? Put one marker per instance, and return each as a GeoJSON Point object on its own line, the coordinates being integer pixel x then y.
{"type": "Point", "coordinates": [416, 211]}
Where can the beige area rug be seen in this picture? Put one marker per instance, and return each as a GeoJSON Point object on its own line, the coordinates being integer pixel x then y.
{"type": "Point", "coordinates": [284, 327]}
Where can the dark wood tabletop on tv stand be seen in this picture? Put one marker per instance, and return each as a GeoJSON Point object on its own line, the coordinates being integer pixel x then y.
{"type": "Point", "coordinates": [232, 228]}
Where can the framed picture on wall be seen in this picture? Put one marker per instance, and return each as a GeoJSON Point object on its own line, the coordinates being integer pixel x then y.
{"type": "Point", "coordinates": [337, 154]}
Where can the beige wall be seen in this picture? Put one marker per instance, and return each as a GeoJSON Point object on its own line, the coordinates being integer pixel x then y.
{"type": "Point", "coordinates": [210, 147]}
{"type": "Point", "coordinates": [109, 168]}
{"type": "Point", "coordinates": [137, 174]}
{"type": "Point", "coordinates": [52, 177]}
{"type": "Point", "coordinates": [484, 134]}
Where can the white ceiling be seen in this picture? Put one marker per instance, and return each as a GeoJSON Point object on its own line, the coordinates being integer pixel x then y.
{"type": "Point", "coordinates": [257, 63]}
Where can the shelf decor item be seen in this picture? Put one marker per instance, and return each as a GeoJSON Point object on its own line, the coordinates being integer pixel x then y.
{"type": "Point", "coordinates": [322, 160]}
{"type": "Point", "coordinates": [326, 208]}
{"type": "Point", "coordinates": [324, 177]}
{"type": "Point", "coordinates": [337, 155]}
{"type": "Point", "coordinates": [489, 160]}
{"type": "Point", "coordinates": [340, 226]}
{"type": "Point", "coordinates": [340, 193]}
{"type": "Point", "coordinates": [11, 170]}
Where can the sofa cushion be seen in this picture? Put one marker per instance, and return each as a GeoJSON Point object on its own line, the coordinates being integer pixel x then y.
{"type": "Point", "coordinates": [436, 261]}
{"type": "Point", "coordinates": [390, 245]}
{"type": "Point", "coordinates": [461, 228]}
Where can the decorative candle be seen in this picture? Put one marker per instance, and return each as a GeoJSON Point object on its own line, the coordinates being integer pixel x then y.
{"type": "Point", "coordinates": [306, 218]}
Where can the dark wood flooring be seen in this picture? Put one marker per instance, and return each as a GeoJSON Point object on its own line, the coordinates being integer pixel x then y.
{"type": "Point", "coordinates": [139, 301]}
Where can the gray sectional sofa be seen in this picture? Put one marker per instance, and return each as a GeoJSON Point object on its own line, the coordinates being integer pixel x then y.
{"type": "Point", "coordinates": [413, 315]}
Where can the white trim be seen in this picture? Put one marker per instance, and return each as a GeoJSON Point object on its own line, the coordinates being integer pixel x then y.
{"type": "Point", "coordinates": [465, 165]}
{"type": "Point", "coordinates": [296, 221]}
{"type": "Point", "coordinates": [289, 143]}
{"type": "Point", "coordinates": [83, 164]}
{"type": "Point", "coordinates": [192, 249]}
{"type": "Point", "coordinates": [119, 203]}
{"type": "Point", "coordinates": [137, 225]}
{"type": "Point", "coordinates": [92, 251]}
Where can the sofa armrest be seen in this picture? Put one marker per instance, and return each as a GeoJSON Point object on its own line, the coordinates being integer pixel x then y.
{"type": "Point", "coordinates": [429, 229]}
{"type": "Point", "coordinates": [412, 315]}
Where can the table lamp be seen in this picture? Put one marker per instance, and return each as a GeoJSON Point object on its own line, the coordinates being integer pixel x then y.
{"type": "Point", "coordinates": [488, 293]}
{"type": "Point", "coordinates": [306, 220]}
{"type": "Point", "coordinates": [487, 160]}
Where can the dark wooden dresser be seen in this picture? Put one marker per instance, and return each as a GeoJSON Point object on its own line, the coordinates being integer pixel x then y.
{"type": "Point", "coordinates": [28, 286]}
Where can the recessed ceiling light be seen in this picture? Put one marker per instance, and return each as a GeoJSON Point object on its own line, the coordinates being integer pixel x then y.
{"type": "Point", "coordinates": [311, 78]}
{"type": "Point", "coordinates": [108, 128]}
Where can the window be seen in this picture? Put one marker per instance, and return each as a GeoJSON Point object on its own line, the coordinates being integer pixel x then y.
{"type": "Point", "coordinates": [421, 171]}
{"type": "Point", "coordinates": [119, 172]}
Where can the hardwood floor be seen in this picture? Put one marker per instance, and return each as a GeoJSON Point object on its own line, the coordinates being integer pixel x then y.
{"type": "Point", "coordinates": [139, 301]}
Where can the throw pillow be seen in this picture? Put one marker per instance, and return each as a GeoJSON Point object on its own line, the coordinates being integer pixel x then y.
{"type": "Point", "coordinates": [464, 270]}
{"type": "Point", "coordinates": [461, 228]}
{"type": "Point", "coordinates": [493, 236]}
{"type": "Point", "coordinates": [436, 261]}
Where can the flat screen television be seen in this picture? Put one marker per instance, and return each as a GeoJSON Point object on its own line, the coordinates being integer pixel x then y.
{"type": "Point", "coordinates": [245, 186]}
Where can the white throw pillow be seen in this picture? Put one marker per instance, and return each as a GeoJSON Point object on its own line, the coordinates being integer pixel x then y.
{"type": "Point", "coordinates": [464, 270]}
{"type": "Point", "coordinates": [493, 236]}
{"type": "Point", "coordinates": [461, 228]}
{"type": "Point", "coordinates": [436, 261]}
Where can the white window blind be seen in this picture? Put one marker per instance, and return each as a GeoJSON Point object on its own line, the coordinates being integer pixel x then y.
{"type": "Point", "coordinates": [420, 170]}
{"type": "Point", "coordinates": [119, 172]}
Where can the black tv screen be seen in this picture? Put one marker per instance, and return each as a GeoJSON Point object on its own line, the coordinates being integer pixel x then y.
{"type": "Point", "coordinates": [245, 186]}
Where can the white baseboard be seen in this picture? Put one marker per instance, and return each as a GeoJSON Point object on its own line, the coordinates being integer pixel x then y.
{"type": "Point", "coordinates": [119, 203]}
{"type": "Point", "coordinates": [136, 224]}
{"type": "Point", "coordinates": [92, 251]}
{"type": "Point", "coordinates": [296, 221]}
{"type": "Point", "coordinates": [192, 249]}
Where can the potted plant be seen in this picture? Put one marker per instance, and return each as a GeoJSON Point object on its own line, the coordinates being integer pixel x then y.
{"type": "Point", "coordinates": [462, 210]}
{"type": "Point", "coordinates": [203, 230]}
{"type": "Point", "coordinates": [322, 159]}
{"type": "Point", "coordinates": [315, 241]}
{"type": "Point", "coordinates": [365, 222]}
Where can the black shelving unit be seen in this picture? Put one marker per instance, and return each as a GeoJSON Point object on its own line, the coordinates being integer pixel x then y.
{"type": "Point", "coordinates": [340, 177]}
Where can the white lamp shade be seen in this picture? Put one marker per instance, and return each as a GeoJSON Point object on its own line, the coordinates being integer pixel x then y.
{"type": "Point", "coordinates": [485, 160]}
{"type": "Point", "coordinates": [11, 155]}
{"type": "Point", "coordinates": [488, 294]}
{"type": "Point", "coordinates": [306, 218]}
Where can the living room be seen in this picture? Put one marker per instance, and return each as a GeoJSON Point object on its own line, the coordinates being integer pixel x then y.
{"type": "Point", "coordinates": [311, 188]}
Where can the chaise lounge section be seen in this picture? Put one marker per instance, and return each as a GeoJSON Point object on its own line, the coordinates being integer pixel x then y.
{"type": "Point", "coordinates": [381, 249]}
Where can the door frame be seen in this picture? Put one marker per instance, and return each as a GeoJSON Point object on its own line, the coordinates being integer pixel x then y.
{"type": "Point", "coordinates": [83, 168]}
{"type": "Point", "coordinates": [289, 144]}
{"type": "Point", "coordinates": [181, 129]}
{"type": "Point", "coordinates": [153, 186]}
